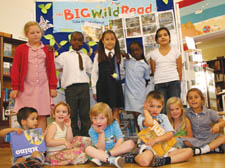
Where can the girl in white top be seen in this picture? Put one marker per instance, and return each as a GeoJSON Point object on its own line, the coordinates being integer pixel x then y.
{"type": "Point", "coordinates": [60, 141]}
{"type": "Point", "coordinates": [166, 64]}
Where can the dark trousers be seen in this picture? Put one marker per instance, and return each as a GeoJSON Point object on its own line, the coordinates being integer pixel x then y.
{"type": "Point", "coordinates": [169, 89]}
{"type": "Point", "coordinates": [78, 98]}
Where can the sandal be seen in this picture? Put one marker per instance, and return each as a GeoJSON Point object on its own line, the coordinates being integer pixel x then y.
{"type": "Point", "coordinates": [195, 152]}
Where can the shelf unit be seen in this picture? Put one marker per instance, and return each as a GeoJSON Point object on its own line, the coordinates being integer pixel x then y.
{"type": "Point", "coordinates": [219, 70]}
{"type": "Point", "coordinates": [7, 49]}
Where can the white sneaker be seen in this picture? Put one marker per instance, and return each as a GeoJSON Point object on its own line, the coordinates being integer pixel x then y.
{"type": "Point", "coordinates": [117, 161]}
{"type": "Point", "coordinates": [96, 162]}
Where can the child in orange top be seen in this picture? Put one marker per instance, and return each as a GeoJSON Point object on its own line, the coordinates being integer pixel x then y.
{"type": "Point", "coordinates": [177, 116]}
{"type": "Point", "coordinates": [33, 74]}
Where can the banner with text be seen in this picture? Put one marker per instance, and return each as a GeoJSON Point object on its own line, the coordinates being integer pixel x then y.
{"type": "Point", "coordinates": [69, 16]}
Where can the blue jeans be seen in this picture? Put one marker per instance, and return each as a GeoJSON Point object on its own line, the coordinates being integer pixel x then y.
{"type": "Point", "coordinates": [169, 89]}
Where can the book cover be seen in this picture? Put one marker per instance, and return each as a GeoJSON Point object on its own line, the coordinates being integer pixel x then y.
{"type": "Point", "coordinates": [7, 49]}
{"type": "Point", "coordinates": [27, 142]}
{"type": "Point", "coordinates": [156, 130]}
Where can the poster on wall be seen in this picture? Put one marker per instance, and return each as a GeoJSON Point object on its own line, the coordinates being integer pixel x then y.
{"type": "Point", "coordinates": [133, 19]}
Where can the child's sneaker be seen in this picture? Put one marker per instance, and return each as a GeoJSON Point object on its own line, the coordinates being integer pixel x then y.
{"type": "Point", "coordinates": [116, 161]}
{"type": "Point", "coordinates": [222, 148]}
{"type": "Point", "coordinates": [158, 161]}
{"type": "Point", "coordinates": [96, 162]}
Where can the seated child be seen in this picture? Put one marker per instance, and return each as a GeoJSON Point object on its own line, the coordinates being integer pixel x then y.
{"type": "Point", "coordinates": [147, 157]}
{"type": "Point", "coordinates": [28, 119]}
{"type": "Point", "coordinates": [206, 137]}
{"type": "Point", "coordinates": [62, 147]}
{"type": "Point", "coordinates": [177, 117]}
{"type": "Point", "coordinates": [107, 138]}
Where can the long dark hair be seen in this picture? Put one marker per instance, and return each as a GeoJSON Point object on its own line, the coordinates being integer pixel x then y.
{"type": "Point", "coordinates": [157, 33]}
{"type": "Point", "coordinates": [101, 50]}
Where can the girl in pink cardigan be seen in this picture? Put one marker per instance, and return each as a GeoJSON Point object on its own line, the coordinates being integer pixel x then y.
{"type": "Point", "coordinates": [33, 74]}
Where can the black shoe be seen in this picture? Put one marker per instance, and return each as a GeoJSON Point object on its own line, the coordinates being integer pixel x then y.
{"type": "Point", "coordinates": [158, 161]}
{"type": "Point", "coordinates": [194, 149]}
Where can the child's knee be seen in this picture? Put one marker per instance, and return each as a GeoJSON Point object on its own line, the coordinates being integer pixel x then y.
{"type": "Point", "coordinates": [130, 144]}
{"type": "Point", "coordinates": [142, 160]}
{"type": "Point", "coordinates": [88, 149]}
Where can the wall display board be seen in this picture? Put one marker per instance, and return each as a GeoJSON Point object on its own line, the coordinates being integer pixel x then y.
{"type": "Point", "coordinates": [130, 20]}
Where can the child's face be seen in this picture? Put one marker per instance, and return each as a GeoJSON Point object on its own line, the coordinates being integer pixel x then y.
{"type": "Point", "coordinates": [109, 41]}
{"type": "Point", "coordinates": [61, 114]}
{"type": "Point", "coordinates": [31, 122]}
{"type": "Point", "coordinates": [163, 37]}
{"type": "Point", "coordinates": [76, 41]}
{"type": "Point", "coordinates": [154, 107]}
{"type": "Point", "coordinates": [101, 121]}
{"type": "Point", "coordinates": [136, 51]}
{"type": "Point", "coordinates": [175, 111]}
{"type": "Point", "coordinates": [194, 100]}
{"type": "Point", "coordinates": [34, 34]}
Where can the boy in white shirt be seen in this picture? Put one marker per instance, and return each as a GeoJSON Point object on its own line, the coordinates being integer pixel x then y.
{"type": "Point", "coordinates": [76, 66]}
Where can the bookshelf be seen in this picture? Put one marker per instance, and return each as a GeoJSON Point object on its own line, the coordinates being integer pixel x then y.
{"type": "Point", "coordinates": [219, 70]}
{"type": "Point", "coordinates": [7, 49]}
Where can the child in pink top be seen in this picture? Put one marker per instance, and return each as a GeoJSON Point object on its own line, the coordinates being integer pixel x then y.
{"type": "Point", "coordinates": [33, 74]}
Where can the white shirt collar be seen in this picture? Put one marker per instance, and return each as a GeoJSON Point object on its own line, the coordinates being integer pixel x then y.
{"type": "Point", "coordinates": [80, 51]}
{"type": "Point", "coordinates": [108, 51]}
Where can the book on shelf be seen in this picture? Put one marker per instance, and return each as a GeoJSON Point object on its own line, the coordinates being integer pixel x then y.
{"type": "Point", "coordinates": [154, 131]}
{"type": "Point", "coordinates": [26, 143]}
{"type": "Point", "coordinates": [7, 49]}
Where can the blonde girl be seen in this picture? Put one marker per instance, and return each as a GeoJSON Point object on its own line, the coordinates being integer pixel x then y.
{"type": "Point", "coordinates": [206, 137]}
{"type": "Point", "coordinates": [107, 138]}
{"type": "Point", "coordinates": [177, 117]}
{"type": "Point", "coordinates": [33, 74]}
{"type": "Point", "coordinates": [106, 73]}
{"type": "Point", "coordinates": [60, 141]}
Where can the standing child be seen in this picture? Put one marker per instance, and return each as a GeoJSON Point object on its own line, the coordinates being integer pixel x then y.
{"type": "Point", "coordinates": [75, 67]}
{"type": "Point", "coordinates": [166, 64]}
{"type": "Point", "coordinates": [106, 137]}
{"type": "Point", "coordinates": [62, 148]}
{"type": "Point", "coordinates": [106, 79]}
{"type": "Point", "coordinates": [206, 137]}
{"type": "Point", "coordinates": [33, 74]}
{"type": "Point", "coordinates": [177, 117]}
{"type": "Point", "coordinates": [137, 74]}
{"type": "Point", "coordinates": [28, 119]}
{"type": "Point", "coordinates": [147, 157]}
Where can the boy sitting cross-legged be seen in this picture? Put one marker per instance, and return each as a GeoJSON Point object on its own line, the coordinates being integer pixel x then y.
{"type": "Point", "coordinates": [28, 119]}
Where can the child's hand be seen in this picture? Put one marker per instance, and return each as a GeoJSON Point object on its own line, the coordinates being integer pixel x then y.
{"type": "Point", "coordinates": [151, 142]}
{"type": "Point", "coordinates": [53, 93]}
{"type": "Point", "coordinates": [19, 130]}
{"type": "Point", "coordinates": [14, 94]}
{"type": "Point", "coordinates": [124, 54]}
{"type": "Point", "coordinates": [68, 144]}
{"type": "Point", "coordinates": [98, 129]}
{"type": "Point", "coordinates": [94, 96]}
{"type": "Point", "coordinates": [215, 129]}
{"type": "Point", "coordinates": [67, 122]}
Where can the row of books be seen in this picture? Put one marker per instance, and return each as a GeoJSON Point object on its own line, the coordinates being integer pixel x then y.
{"type": "Point", "coordinates": [5, 94]}
{"type": "Point", "coordinates": [7, 49]}
{"type": "Point", "coordinates": [6, 68]}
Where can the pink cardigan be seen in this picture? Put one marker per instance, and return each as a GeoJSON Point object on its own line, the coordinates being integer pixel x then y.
{"type": "Point", "coordinates": [20, 64]}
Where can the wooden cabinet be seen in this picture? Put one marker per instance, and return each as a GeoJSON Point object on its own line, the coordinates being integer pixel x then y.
{"type": "Point", "coordinates": [7, 49]}
{"type": "Point", "coordinates": [219, 69]}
